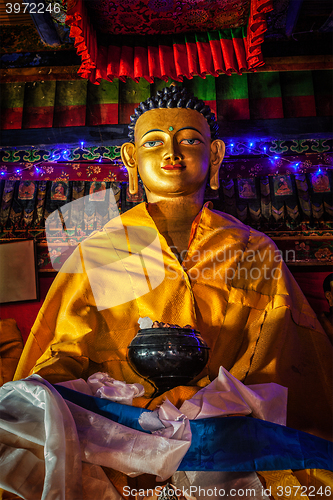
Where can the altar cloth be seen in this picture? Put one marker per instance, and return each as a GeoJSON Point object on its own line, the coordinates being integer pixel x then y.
{"type": "Point", "coordinates": [228, 443]}
{"type": "Point", "coordinates": [40, 432]}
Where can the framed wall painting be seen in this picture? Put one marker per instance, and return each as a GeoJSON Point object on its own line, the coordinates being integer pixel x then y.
{"type": "Point", "coordinates": [18, 272]}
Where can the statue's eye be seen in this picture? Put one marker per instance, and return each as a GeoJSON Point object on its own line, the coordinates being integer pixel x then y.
{"type": "Point", "coordinates": [152, 144]}
{"type": "Point", "coordinates": [190, 142]}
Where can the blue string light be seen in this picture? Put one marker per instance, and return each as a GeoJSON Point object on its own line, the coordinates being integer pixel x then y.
{"type": "Point", "coordinates": [261, 150]}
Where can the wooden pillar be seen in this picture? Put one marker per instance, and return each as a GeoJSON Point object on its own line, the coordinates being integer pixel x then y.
{"type": "Point", "coordinates": [70, 103]}
{"type": "Point", "coordinates": [297, 94]}
{"type": "Point", "coordinates": [232, 97]}
{"type": "Point", "coordinates": [323, 91]}
{"type": "Point", "coordinates": [204, 89]}
{"type": "Point", "coordinates": [11, 105]}
{"type": "Point", "coordinates": [102, 103]}
{"type": "Point", "coordinates": [265, 96]}
{"type": "Point", "coordinates": [39, 104]}
{"type": "Point", "coordinates": [130, 96]}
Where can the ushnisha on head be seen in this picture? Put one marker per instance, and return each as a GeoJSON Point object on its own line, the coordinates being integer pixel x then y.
{"type": "Point", "coordinates": [174, 146]}
{"type": "Point", "coordinates": [174, 97]}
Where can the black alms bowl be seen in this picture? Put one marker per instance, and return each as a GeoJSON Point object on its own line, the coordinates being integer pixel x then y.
{"type": "Point", "coordinates": [168, 357]}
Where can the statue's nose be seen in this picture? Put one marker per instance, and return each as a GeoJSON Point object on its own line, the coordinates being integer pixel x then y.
{"type": "Point", "coordinates": [173, 153]}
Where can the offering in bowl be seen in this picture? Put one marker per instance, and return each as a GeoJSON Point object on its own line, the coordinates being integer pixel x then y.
{"type": "Point", "coordinates": [168, 356]}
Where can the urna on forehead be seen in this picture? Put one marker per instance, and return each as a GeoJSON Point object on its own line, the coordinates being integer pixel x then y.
{"type": "Point", "coordinates": [172, 121]}
{"type": "Point", "coordinates": [174, 97]}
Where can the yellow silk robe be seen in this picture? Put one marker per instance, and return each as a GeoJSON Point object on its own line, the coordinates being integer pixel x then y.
{"type": "Point", "coordinates": [232, 286]}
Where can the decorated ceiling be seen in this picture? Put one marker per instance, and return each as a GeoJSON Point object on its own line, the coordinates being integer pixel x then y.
{"type": "Point", "coordinates": [194, 38]}
{"type": "Point", "coordinates": [65, 106]}
{"type": "Point", "coordinates": [160, 17]}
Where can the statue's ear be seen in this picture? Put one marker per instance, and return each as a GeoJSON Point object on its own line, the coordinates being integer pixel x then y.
{"type": "Point", "coordinates": [329, 298]}
{"type": "Point", "coordinates": [217, 151]}
{"type": "Point", "coordinates": [128, 155]}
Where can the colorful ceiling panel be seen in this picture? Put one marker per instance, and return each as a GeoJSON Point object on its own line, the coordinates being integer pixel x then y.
{"type": "Point", "coordinates": [161, 17]}
{"type": "Point", "coordinates": [78, 103]}
{"type": "Point", "coordinates": [223, 48]}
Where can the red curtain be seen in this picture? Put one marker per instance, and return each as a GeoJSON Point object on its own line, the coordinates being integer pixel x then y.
{"type": "Point", "coordinates": [233, 50]}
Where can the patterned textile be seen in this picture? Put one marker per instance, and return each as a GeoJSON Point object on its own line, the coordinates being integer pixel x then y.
{"type": "Point", "coordinates": [157, 17]}
{"type": "Point", "coordinates": [171, 56]}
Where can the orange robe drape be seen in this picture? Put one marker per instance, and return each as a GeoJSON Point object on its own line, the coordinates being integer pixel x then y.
{"type": "Point", "coordinates": [232, 286]}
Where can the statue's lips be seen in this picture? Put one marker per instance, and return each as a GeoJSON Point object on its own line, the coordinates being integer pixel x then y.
{"type": "Point", "coordinates": [173, 167]}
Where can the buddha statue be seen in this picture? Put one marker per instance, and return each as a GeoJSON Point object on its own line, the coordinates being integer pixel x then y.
{"type": "Point", "coordinates": [194, 266]}
{"type": "Point", "coordinates": [178, 261]}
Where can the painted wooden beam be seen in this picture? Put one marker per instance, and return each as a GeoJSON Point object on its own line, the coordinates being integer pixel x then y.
{"type": "Point", "coordinates": [43, 73]}
{"type": "Point", "coordinates": [316, 127]}
{"type": "Point", "coordinates": [109, 135]}
{"type": "Point", "coordinates": [38, 74]}
{"type": "Point", "coordinates": [297, 63]}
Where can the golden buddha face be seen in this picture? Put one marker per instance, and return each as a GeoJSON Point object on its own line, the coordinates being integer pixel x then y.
{"type": "Point", "coordinates": [173, 151]}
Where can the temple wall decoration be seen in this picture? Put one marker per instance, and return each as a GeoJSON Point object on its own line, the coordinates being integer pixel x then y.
{"type": "Point", "coordinates": [77, 102]}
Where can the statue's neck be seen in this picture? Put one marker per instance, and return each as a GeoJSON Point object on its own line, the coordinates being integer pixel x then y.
{"type": "Point", "coordinates": [174, 219]}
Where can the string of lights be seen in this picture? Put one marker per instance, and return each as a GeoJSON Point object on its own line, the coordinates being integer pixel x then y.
{"type": "Point", "coordinates": [58, 156]}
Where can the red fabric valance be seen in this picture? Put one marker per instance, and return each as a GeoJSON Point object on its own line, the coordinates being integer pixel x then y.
{"type": "Point", "coordinates": [183, 55]}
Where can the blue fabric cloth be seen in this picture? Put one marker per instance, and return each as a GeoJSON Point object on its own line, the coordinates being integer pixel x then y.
{"type": "Point", "coordinates": [249, 444]}
{"type": "Point", "coordinates": [227, 444]}
{"type": "Point", "coordinates": [124, 414]}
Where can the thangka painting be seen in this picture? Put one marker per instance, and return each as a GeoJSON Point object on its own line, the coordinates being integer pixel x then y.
{"type": "Point", "coordinates": [135, 198]}
{"type": "Point", "coordinates": [320, 183]}
{"type": "Point", "coordinates": [282, 185]}
{"type": "Point", "coordinates": [26, 190]}
{"type": "Point", "coordinates": [59, 190]}
{"type": "Point", "coordinates": [247, 189]}
{"type": "Point", "coordinates": [97, 191]}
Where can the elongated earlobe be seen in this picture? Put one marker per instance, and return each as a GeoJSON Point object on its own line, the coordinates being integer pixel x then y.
{"type": "Point", "coordinates": [329, 298]}
{"type": "Point", "coordinates": [128, 155]}
{"type": "Point", "coordinates": [217, 151]}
